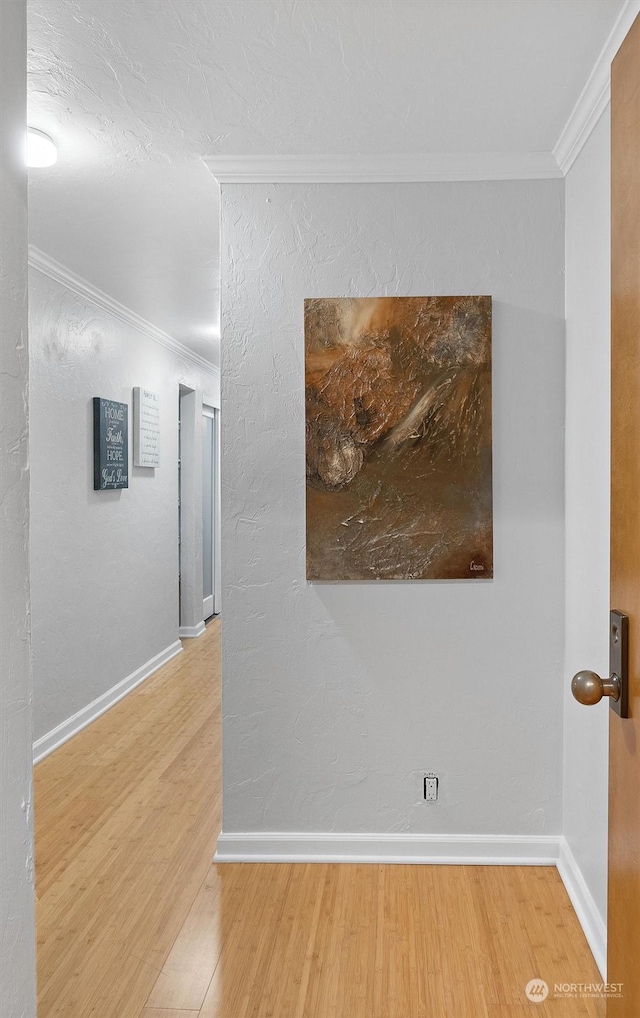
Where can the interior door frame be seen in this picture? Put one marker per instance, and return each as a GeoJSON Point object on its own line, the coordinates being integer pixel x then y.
{"type": "Point", "coordinates": [212, 604]}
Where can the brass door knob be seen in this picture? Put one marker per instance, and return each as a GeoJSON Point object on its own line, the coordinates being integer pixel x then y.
{"type": "Point", "coordinates": [588, 688]}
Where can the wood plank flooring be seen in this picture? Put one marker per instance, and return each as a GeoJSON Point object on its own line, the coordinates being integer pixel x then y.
{"type": "Point", "coordinates": [134, 921]}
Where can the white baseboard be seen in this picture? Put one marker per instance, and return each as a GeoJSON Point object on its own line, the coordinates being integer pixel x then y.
{"type": "Point", "coordinates": [188, 632]}
{"type": "Point", "coordinates": [593, 925]}
{"type": "Point", "coordinates": [57, 736]}
{"type": "Point", "coordinates": [446, 849]}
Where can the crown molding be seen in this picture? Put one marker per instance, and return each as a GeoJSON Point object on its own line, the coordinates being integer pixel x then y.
{"type": "Point", "coordinates": [595, 95]}
{"type": "Point", "coordinates": [379, 169]}
{"type": "Point", "coordinates": [48, 266]}
{"type": "Point", "coordinates": [442, 166]}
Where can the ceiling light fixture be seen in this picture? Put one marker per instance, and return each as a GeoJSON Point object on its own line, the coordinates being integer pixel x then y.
{"type": "Point", "coordinates": [41, 149]}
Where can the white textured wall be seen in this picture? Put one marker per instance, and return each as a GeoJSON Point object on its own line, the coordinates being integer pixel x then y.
{"type": "Point", "coordinates": [586, 730]}
{"type": "Point", "coordinates": [104, 563]}
{"type": "Point", "coordinates": [336, 696]}
{"type": "Point", "coordinates": [17, 951]}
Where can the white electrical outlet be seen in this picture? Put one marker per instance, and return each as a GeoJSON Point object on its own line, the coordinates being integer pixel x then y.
{"type": "Point", "coordinates": [430, 788]}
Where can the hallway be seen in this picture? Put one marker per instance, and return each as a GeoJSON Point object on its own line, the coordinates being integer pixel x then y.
{"type": "Point", "coordinates": [135, 922]}
{"type": "Point", "coordinates": [127, 814]}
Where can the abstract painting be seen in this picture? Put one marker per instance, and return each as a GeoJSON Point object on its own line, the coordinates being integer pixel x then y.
{"type": "Point", "coordinates": [398, 438]}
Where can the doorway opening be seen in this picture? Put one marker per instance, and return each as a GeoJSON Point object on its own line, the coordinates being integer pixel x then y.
{"type": "Point", "coordinates": [210, 512]}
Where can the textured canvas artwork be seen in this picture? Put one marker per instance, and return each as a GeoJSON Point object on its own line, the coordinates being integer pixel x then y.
{"type": "Point", "coordinates": [398, 438]}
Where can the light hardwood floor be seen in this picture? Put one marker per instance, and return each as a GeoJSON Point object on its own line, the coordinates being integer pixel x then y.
{"type": "Point", "coordinates": [134, 921]}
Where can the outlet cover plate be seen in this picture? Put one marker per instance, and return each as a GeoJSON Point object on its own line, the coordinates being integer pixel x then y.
{"type": "Point", "coordinates": [431, 787]}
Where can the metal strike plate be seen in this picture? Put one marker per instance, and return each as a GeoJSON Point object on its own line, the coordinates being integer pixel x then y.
{"type": "Point", "coordinates": [619, 660]}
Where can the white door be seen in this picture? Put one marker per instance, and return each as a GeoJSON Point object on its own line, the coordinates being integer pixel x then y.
{"type": "Point", "coordinates": [210, 514]}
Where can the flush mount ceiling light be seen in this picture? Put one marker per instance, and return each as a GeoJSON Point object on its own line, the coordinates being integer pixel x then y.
{"type": "Point", "coordinates": [41, 149]}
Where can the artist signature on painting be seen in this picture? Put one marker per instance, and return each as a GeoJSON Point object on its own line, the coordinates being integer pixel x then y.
{"type": "Point", "coordinates": [476, 567]}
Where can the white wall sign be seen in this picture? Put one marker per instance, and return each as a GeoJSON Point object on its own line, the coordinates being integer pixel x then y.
{"type": "Point", "coordinates": [146, 428]}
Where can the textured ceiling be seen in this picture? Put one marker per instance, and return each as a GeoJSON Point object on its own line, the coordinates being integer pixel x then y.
{"type": "Point", "coordinates": [136, 92]}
